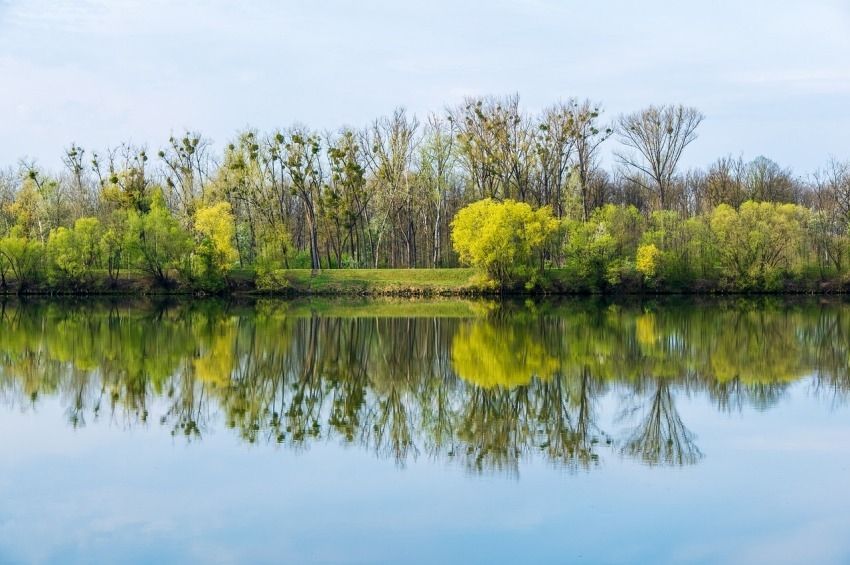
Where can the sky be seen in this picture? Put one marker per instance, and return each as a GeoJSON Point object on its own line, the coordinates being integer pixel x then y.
{"type": "Point", "coordinates": [771, 77]}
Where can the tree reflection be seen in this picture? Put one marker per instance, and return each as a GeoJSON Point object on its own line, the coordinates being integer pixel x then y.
{"type": "Point", "coordinates": [661, 438]}
{"type": "Point", "coordinates": [490, 389]}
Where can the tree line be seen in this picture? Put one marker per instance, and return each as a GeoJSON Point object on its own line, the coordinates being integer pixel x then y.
{"type": "Point", "coordinates": [386, 195]}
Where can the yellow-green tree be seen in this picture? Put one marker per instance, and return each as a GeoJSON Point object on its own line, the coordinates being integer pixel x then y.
{"type": "Point", "coordinates": [759, 242]}
{"type": "Point", "coordinates": [648, 260]}
{"type": "Point", "coordinates": [489, 355]}
{"type": "Point", "coordinates": [21, 256]}
{"type": "Point", "coordinates": [504, 239]}
{"type": "Point", "coordinates": [601, 250]}
{"type": "Point", "coordinates": [157, 239]}
{"type": "Point", "coordinates": [73, 252]}
{"type": "Point", "coordinates": [215, 227]}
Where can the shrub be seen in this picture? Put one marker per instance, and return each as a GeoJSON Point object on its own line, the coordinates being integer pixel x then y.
{"type": "Point", "coordinates": [648, 260]}
{"type": "Point", "coordinates": [504, 239]}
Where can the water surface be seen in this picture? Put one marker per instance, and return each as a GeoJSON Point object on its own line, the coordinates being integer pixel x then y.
{"type": "Point", "coordinates": [677, 430]}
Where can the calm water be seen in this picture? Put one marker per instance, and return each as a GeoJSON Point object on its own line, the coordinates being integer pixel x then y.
{"type": "Point", "coordinates": [681, 430]}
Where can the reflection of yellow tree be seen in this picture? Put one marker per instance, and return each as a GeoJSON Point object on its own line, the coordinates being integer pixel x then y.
{"type": "Point", "coordinates": [645, 331]}
{"type": "Point", "coordinates": [216, 354]}
{"type": "Point", "coordinates": [491, 355]}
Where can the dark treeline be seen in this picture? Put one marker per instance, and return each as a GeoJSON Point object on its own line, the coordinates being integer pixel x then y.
{"type": "Point", "coordinates": [383, 195]}
{"type": "Point", "coordinates": [489, 387]}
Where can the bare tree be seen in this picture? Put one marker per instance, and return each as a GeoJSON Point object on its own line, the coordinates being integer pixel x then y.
{"type": "Point", "coordinates": [723, 184]}
{"type": "Point", "coordinates": [304, 165]}
{"type": "Point", "coordinates": [766, 181]}
{"type": "Point", "coordinates": [832, 189]}
{"type": "Point", "coordinates": [496, 146]}
{"type": "Point", "coordinates": [187, 165]}
{"type": "Point", "coordinates": [554, 145]}
{"type": "Point", "coordinates": [391, 144]}
{"type": "Point", "coordinates": [659, 134]}
{"type": "Point", "coordinates": [437, 164]}
{"type": "Point", "coordinates": [587, 135]}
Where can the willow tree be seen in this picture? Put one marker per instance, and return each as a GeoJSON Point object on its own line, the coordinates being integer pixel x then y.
{"type": "Point", "coordinates": [504, 239]}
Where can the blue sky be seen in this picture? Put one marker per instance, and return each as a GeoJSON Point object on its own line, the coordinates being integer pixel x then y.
{"type": "Point", "coordinates": [772, 77]}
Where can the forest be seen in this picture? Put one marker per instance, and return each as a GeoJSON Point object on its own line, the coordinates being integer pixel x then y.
{"type": "Point", "coordinates": [524, 198]}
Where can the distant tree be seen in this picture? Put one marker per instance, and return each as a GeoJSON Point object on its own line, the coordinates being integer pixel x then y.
{"type": "Point", "coordinates": [766, 181]}
{"type": "Point", "coordinates": [724, 183]}
{"type": "Point", "coordinates": [659, 135]}
{"type": "Point", "coordinates": [303, 163]}
{"type": "Point", "coordinates": [187, 163]}
{"type": "Point", "coordinates": [390, 148]}
{"type": "Point", "coordinates": [587, 135]}
{"type": "Point", "coordinates": [497, 147]}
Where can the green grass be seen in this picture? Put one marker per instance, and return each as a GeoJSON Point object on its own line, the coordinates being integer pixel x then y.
{"type": "Point", "coordinates": [383, 281]}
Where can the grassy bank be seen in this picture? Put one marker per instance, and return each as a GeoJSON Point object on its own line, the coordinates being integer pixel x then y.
{"type": "Point", "coordinates": [377, 282]}
{"type": "Point", "coordinates": [344, 282]}
{"type": "Point", "coordinates": [402, 283]}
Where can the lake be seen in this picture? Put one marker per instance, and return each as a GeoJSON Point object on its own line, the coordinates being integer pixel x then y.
{"type": "Point", "coordinates": [640, 430]}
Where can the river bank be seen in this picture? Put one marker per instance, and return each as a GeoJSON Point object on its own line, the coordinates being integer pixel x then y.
{"type": "Point", "coordinates": [403, 282]}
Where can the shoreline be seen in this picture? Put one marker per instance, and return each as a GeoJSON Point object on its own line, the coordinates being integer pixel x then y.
{"type": "Point", "coordinates": [406, 283]}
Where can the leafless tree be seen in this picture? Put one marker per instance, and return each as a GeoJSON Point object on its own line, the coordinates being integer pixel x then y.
{"type": "Point", "coordinates": [659, 135]}
{"type": "Point", "coordinates": [390, 145]}
{"type": "Point", "coordinates": [187, 165]}
{"type": "Point", "coordinates": [766, 181]}
{"type": "Point", "coordinates": [832, 189]}
{"type": "Point", "coordinates": [587, 134]}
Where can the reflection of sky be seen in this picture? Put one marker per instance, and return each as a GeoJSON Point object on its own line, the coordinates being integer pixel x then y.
{"type": "Point", "coordinates": [771, 488]}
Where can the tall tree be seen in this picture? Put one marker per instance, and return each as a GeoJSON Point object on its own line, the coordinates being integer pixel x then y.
{"type": "Point", "coordinates": [391, 143]}
{"type": "Point", "coordinates": [303, 163]}
{"type": "Point", "coordinates": [659, 135]}
{"type": "Point", "coordinates": [187, 164]}
{"type": "Point", "coordinates": [587, 135]}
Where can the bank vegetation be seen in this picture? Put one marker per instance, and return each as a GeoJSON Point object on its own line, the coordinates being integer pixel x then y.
{"type": "Point", "coordinates": [521, 198]}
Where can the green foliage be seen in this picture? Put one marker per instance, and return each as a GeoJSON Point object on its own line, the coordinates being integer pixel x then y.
{"type": "Point", "coordinates": [601, 250]}
{"type": "Point", "coordinates": [214, 246]}
{"type": "Point", "coordinates": [504, 239]}
{"type": "Point", "coordinates": [73, 253]}
{"type": "Point", "coordinates": [759, 243]}
{"type": "Point", "coordinates": [22, 257]}
{"type": "Point", "coordinates": [276, 250]}
{"type": "Point", "coordinates": [157, 241]}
